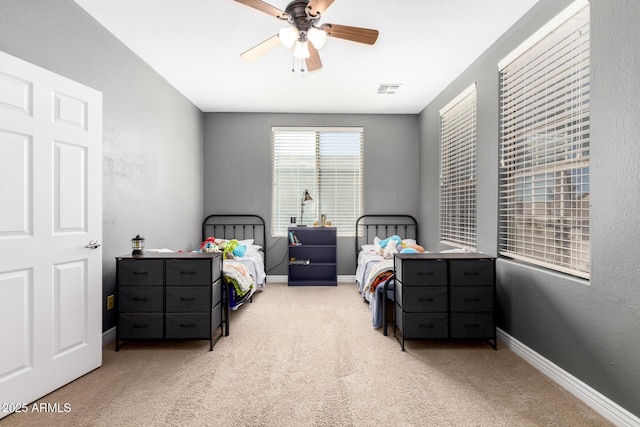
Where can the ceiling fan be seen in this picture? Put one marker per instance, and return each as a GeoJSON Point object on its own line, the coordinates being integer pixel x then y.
{"type": "Point", "coordinates": [303, 33]}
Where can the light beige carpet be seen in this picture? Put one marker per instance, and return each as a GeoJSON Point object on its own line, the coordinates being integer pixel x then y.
{"type": "Point", "coordinates": [309, 356]}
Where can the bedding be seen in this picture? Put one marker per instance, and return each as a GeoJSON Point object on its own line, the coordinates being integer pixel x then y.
{"type": "Point", "coordinates": [242, 267]}
{"type": "Point", "coordinates": [241, 238]}
{"type": "Point", "coordinates": [379, 238]}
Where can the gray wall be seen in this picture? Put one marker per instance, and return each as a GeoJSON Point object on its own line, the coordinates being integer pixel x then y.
{"type": "Point", "coordinates": [237, 169]}
{"type": "Point", "coordinates": [152, 135]}
{"type": "Point", "coordinates": [590, 329]}
{"type": "Point", "coordinates": [153, 173]}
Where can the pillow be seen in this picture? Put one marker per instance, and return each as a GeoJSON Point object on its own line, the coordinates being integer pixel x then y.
{"type": "Point", "coordinates": [369, 248]}
{"type": "Point", "coordinates": [409, 242]}
{"type": "Point", "coordinates": [254, 248]}
{"type": "Point", "coordinates": [246, 242]}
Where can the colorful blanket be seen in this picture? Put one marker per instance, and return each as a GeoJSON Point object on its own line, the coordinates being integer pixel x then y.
{"type": "Point", "coordinates": [237, 275]}
{"type": "Point", "coordinates": [377, 274]}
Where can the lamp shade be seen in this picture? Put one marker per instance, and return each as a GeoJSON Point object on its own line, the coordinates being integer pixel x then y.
{"type": "Point", "coordinates": [317, 37]}
{"type": "Point", "coordinates": [306, 197]}
{"type": "Point", "coordinates": [301, 50]}
{"type": "Point", "coordinates": [288, 36]}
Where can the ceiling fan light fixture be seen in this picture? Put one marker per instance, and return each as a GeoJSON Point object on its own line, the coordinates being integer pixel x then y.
{"type": "Point", "coordinates": [317, 37]}
{"type": "Point", "coordinates": [301, 50]}
{"type": "Point", "coordinates": [288, 36]}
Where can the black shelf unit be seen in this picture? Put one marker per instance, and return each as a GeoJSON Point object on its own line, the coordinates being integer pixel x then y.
{"type": "Point", "coordinates": [312, 256]}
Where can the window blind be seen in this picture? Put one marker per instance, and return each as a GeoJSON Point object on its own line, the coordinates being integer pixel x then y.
{"type": "Point", "coordinates": [328, 163]}
{"type": "Point", "coordinates": [458, 216]}
{"type": "Point", "coordinates": [544, 145]}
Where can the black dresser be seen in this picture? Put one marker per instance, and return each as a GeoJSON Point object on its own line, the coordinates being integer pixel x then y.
{"type": "Point", "coordinates": [162, 296]}
{"type": "Point", "coordinates": [444, 296]}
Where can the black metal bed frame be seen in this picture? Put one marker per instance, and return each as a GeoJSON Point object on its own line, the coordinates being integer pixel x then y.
{"type": "Point", "coordinates": [239, 227]}
{"type": "Point", "coordinates": [383, 226]}
{"type": "Point", "coordinates": [368, 227]}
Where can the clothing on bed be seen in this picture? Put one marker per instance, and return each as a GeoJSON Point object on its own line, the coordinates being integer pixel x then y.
{"type": "Point", "coordinates": [242, 267]}
{"type": "Point", "coordinates": [375, 267]}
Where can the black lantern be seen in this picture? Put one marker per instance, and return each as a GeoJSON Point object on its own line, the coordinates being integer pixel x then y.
{"type": "Point", "coordinates": [137, 245]}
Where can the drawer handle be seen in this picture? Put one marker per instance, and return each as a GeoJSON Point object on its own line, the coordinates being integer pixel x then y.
{"type": "Point", "coordinates": [140, 326]}
{"type": "Point", "coordinates": [472, 299]}
{"type": "Point", "coordinates": [430, 326]}
{"type": "Point", "coordinates": [140, 299]}
{"type": "Point", "coordinates": [187, 299]}
{"type": "Point", "coordinates": [425, 299]}
{"type": "Point", "coordinates": [187, 325]}
{"type": "Point", "coordinates": [428, 273]}
{"type": "Point", "coordinates": [188, 272]}
{"type": "Point", "coordinates": [471, 273]}
{"type": "Point", "coordinates": [471, 325]}
{"type": "Point", "coordinates": [140, 272]}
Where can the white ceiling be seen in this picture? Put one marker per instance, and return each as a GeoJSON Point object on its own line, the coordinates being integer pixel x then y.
{"type": "Point", "coordinates": [196, 45]}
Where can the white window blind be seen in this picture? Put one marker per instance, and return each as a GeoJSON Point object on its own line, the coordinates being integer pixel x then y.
{"type": "Point", "coordinates": [458, 171]}
{"type": "Point", "coordinates": [328, 163]}
{"type": "Point", "coordinates": [544, 144]}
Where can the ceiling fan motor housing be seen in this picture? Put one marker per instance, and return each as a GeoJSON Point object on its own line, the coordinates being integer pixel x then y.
{"type": "Point", "coordinates": [300, 18]}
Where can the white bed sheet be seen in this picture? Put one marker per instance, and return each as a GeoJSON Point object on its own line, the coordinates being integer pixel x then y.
{"type": "Point", "coordinates": [365, 260]}
{"type": "Point", "coordinates": [254, 262]}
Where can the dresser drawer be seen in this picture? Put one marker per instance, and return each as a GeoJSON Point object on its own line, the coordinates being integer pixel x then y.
{"type": "Point", "coordinates": [471, 272]}
{"type": "Point", "coordinates": [188, 325]}
{"type": "Point", "coordinates": [421, 325]}
{"type": "Point", "coordinates": [216, 316]}
{"type": "Point", "coordinates": [421, 272]}
{"type": "Point", "coordinates": [188, 298]}
{"type": "Point", "coordinates": [140, 326]}
{"type": "Point", "coordinates": [133, 272]}
{"type": "Point", "coordinates": [140, 299]}
{"type": "Point", "coordinates": [216, 290]}
{"type": "Point", "coordinates": [472, 298]}
{"type": "Point", "coordinates": [422, 298]}
{"type": "Point", "coordinates": [472, 325]}
{"type": "Point", "coordinates": [183, 272]}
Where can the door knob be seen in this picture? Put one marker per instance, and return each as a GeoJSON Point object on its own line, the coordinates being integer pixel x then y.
{"type": "Point", "coordinates": [93, 245]}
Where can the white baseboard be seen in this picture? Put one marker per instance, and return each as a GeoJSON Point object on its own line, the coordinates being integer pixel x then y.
{"type": "Point", "coordinates": [600, 403]}
{"type": "Point", "coordinates": [276, 279]}
{"type": "Point", "coordinates": [108, 336]}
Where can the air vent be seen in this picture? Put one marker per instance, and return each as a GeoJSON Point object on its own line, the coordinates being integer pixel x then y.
{"type": "Point", "coordinates": [388, 89]}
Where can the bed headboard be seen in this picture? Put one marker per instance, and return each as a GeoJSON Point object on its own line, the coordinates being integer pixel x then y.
{"type": "Point", "coordinates": [236, 226]}
{"type": "Point", "coordinates": [383, 226]}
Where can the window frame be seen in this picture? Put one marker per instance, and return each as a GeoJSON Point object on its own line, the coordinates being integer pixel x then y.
{"type": "Point", "coordinates": [334, 171]}
{"type": "Point", "coordinates": [544, 146]}
{"type": "Point", "coordinates": [458, 188]}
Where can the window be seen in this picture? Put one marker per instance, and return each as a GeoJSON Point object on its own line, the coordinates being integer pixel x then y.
{"type": "Point", "coordinates": [544, 146]}
{"type": "Point", "coordinates": [328, 163]}
{"type": "Point", "coordinates": [458, 171]}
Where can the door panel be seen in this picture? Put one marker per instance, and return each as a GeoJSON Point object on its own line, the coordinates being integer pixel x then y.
{"type": "Point", "coordinates": [51, 194]}
{"type": "Point", "coordinates": [15, 150]}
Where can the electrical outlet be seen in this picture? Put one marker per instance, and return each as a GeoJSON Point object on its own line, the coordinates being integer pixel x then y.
{"type": "Point", "coordinates": [110, 302]}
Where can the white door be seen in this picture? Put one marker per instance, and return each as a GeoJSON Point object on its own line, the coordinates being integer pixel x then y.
{"type": "Point", "coordinates": [50, 211]}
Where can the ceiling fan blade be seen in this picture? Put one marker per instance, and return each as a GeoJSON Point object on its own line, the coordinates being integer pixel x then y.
{"type": "Point", "coordinates": [354, 34]}
{"type": "Point", "coordinates": [313, 61]}
{"type": "Point", "coordinates": [318, 6]}
{"type": "Point", "coordinates": [265, 7]}
{"type": "Point", "coordinates": [261, 48]}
